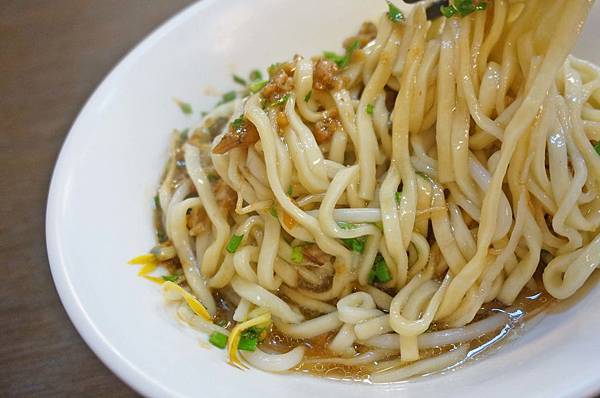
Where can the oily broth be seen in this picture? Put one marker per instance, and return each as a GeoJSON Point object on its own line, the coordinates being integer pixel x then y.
{"type": "Point", "coordinates": [526, 306]}
{"type": "Point", "coordinates": [316, 347]}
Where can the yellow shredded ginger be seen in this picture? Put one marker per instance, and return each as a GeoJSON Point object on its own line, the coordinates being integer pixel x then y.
{"type": "Point", "coordinates": [236, 333]}
{"type": "Point", "coordinates": [149, 264]}
{"type": "Point", "coordinates": [190, 299]}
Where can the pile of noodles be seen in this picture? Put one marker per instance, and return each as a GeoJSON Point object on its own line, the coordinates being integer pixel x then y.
{"type": "Point", "coordinates": [459, 150]}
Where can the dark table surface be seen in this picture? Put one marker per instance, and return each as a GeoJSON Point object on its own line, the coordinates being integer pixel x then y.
{"type": "Point", "coordinates": [53, 53]}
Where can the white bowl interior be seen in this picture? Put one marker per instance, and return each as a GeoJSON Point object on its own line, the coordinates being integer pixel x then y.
{"type": "Point", "coordinates": [100, 208]}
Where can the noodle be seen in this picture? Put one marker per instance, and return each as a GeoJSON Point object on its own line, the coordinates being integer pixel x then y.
{"type": "Point", "coordinates": [378, 204]}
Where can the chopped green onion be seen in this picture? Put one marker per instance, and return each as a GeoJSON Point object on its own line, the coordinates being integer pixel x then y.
{"type": "Point", "coordinates": [239, 80]}
{"type": "Point", "coordinates": [394, 13]}
{"type": "Point", "coordinates": [221, 322]}
{"type": "Point", "coordinates": [273, 212]}
{"type": "Point", "coordinates": [239, 122]}
{"type": "Point", "coordinates": [307, 96]}
{"type": "Point", "coordinates": [156, 202]}
{"type": "Point", "coordinates": [356, 244]}
{"type": "Point", "coordinates": [462, 7]}
{"type": "Point", "coordinates": [227, 97]}
{"type": "Point", "coordinates": [213, 177]}
{"type": "Point", "coordinates": [273, 67]}
{"type": "Point", "coordinates": [597, 147]}
{"type": "Point", "coordinates": [184, 106]}
{"type": "Point", "coordinates": [379, 225]}
{"type": "Point", "coordinates": [379, 272]}
{"type": "Point", "coordinates": [183, 136]}
{"type": "Point", "coordinates": [218, 340]}
{"type": "Point", "coordinates": [249, 339]}
{"type": "Point", "coordinates": [330, 55]}
{"type": "Point", "coordinates": [290, 191]}
{"type": "Point", "coordinates": [256, 86]}
{"type": "Point", "coordinates": [342, 60]}
{"type": "Point", "coordinates": [255, 75]}
{"type": "Point", "coordinates": [281, 100]}
{"type": "Point", "coordinates": [170, 278]}
{"type": "Point", "coordinates": [161, 235]}
{"type": "Point", "coordinates": [297, 255]}
{"type": "Point", "coordinates": [252, 333]}
{"type": "Point", "coordinates": [247, 344]}
{"type": "Point", "coordinates": [203, 113]}
{"type": "Point", "coordinates": [346, 225]}
{"type": "Point", "coordinates": [398, 197]}
{"type": "Point", "coordinates": [383, 273]}
{"type": "Point", "coordinates": [354, 46]}
{"type": "Point", "coordinates": [234, 243]}
{"type": "Point", "coordinates": [448, 11]}
{"type": "Point", "coordinates": [370, 109]}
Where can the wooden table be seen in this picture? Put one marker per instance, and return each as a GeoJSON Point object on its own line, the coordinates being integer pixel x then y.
{"type": "Point", "coordinates": [53, 53]}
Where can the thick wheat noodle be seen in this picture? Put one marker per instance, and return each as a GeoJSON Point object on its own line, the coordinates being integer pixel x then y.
{"type": "Point", "coordinates": [442, 165]}
{"type": "Point", "coordinates": [557, 53]}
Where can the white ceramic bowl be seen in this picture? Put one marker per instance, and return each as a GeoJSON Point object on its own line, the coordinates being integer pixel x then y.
{"type": "Point", "coordinates": [100, 208]}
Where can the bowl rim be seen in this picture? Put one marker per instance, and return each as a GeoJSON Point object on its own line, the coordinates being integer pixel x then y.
{"type": "Point", "coordinates": [84, 324]}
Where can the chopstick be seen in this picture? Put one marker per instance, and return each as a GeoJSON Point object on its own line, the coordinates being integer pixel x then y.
{"type": "Point", "coordinates": [433, 10]}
